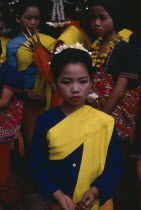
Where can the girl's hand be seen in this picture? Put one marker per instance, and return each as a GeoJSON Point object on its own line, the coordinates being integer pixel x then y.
{"type": "Point", "coordinates": [32, 95]}
{"type": "Point", "coordinates": [6, 98]}
{"type": "Point", "coordinates": [64, 201]}
{"type": "Point", "coordinates": [87, 201]}
{"type": "Point", "coordinates": [34, 44]}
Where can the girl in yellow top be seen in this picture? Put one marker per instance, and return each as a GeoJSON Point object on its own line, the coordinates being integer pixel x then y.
{"type": "Point", "coordinates": [3, 39]}
{"type": "Point", "coordinates": [28, 14]}
{"type": "Point", "coordinates": [70, 33]}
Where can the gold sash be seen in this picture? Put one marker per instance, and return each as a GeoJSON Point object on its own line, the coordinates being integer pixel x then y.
{"type": "Point", "coordinates": [89, 127]}
{"type": "Point", "coordinates": [125, 34]}
{"type": "Point", "coordinates": [72, 34]}
{"type": "Point", "coordinates": [24, 59]}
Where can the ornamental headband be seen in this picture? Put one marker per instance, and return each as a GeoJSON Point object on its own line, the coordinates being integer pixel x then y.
{"type": "Point", "coordinates": [74, 46]}
{"type": "Point", "coordinates": [77, 46]}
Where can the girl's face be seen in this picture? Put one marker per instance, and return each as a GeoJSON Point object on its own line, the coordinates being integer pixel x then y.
{"type": "Point", "coordinates": [74, 85]}
{"type": "Point", "coordinates": [101, 21]}
{"type": "Point", "coordinates": [30, 18]}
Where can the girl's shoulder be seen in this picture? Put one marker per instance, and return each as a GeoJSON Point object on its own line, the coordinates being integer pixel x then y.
{"type": "Point", "coordinates": [14, 43]}
{"type": "Point", "coordinates": [124, 59]}
{"type": "Point", "coordinates": [11, 76]}
{"type": "Point", "coordinates": [124, 48]}
{"type": "Point", "coordinates": [50, 118]}
{"type": "Point", "coordinates": [51, 115]}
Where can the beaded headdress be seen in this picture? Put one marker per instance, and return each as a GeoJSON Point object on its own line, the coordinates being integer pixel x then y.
{"type": "Point", "coordinates": [58, 14]}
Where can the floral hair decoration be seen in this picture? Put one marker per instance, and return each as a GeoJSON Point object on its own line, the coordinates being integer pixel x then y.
{"type": "Point", "coordinates": [74, 46]}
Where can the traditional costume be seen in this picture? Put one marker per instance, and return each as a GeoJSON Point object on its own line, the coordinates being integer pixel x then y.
{"type": "Point", "coordinates": [10, 122]}
{"type": "Point", "coordinates": [71, 34]}
{"type": "Point", "coordinates": [119, 60]}
{"type": "Point", "coordinates": [20, 57]}
{"type": "Point", "coordinates": [4, 41]}
{"type": "Point", "coordinates": [136, 144]}
{"type": "Point", "coordinates": [122, 61]}
{"type": "Point", "coordinates": [75, 156]}
{"type": "Point", "coordinates": [128, 36]}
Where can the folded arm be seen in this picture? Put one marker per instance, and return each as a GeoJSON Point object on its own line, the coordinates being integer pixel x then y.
{"type": "Point", "coordinates": [116, 95]}
{"type": "Point", "coordinates": [6, 97]}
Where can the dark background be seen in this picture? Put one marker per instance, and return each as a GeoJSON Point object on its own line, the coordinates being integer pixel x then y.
{"type": "Point", "coordinates": [133, 13]}
{"type": "Point", "coordinates": [134, 18]}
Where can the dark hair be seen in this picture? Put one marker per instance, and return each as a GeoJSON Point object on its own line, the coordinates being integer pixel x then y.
{"type": "Point", "coordinates": [70, 55]}
{"type": "Point", "coordinates": [5, 17]}
{"type": "Point", "coordinates": [70, 10]}
{"type": "Point", "coordinates": [19, 9]}
{"type": "Point", "coordinates": [24, 4]}
{"type": "Point", "coordinates": [1, 10]}
{"type": "Point", "coordinates": [3, 13]}
{"type": "Point", "coordinates": [115, 8]}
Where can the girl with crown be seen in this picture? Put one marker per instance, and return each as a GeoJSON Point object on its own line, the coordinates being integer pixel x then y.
{"type": "Point", "coordinates": [74, 158]}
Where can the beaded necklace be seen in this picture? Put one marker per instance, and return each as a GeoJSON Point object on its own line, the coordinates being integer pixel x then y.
{"type": "Point", "coordinates": [99, 58]}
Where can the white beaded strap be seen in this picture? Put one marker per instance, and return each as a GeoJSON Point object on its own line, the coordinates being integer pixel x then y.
{"type": "Point", "coordinates": [58, 11]}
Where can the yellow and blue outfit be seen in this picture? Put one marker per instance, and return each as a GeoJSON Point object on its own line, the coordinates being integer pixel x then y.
{"type": "Point", "coordinates": [4, 41]}
{"type": "Point", "coordinates": [59, 163]}
{"type": "Point", "coordinates": [128, 36]}
{"type": "Point", "coordinates": [18, 56]}
{"type": "Point", "coordinates": [30, 72]}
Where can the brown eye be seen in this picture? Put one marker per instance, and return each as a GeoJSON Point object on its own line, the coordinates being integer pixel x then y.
{"type": "Point", "coordinates": [37, 17]}
{"type": "Point", "coordinates": [103, 18]}
{"type": "Point", "coordinates": [66, 82]}
{"type": "Point", "coordinates": [28, 18]}
{"type": "Point", "coordinates": [83, 81]}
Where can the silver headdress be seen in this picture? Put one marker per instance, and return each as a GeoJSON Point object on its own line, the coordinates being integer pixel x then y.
{"type": "Point", "coordinates": [58, 14]}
